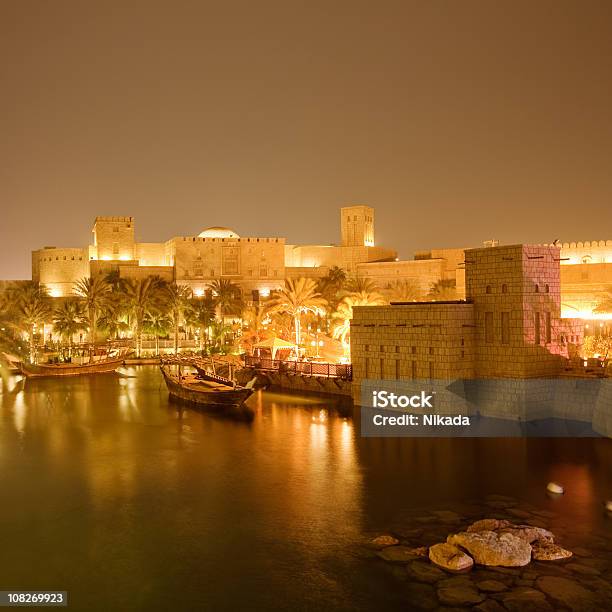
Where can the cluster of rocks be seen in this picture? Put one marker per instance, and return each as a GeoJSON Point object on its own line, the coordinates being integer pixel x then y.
{"type": "Point", "coordinates": [495, 542]}
{"type": "Point", "coordinates": [493, 564]}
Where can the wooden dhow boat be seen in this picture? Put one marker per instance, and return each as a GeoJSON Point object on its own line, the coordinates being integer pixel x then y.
{"type": "Point", "coordinates": [204, 389]}
{"type": "Point", "coordinates": [104, 364]}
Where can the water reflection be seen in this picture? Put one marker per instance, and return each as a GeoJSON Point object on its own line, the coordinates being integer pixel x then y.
{"type": "Point", "coordinates": [131, 502]}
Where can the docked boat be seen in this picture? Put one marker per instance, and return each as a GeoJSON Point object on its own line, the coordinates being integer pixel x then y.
{"type": "Point", "coordinates": [208, 391]}
{"type": "Point", "coordinates": [102, 366]}
{"type": "Point", "coordinates": [10, 362]}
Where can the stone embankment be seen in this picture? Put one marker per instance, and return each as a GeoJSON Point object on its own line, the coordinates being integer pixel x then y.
{"type": "Point", "coordinates": [303, 384]}
{"type": "Point", "coordinates": [509, 561]}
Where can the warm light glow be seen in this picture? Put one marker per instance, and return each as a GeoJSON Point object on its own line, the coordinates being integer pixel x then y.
{"type": "Point", "coordinates": [567, 313]}
{"type": "Point", "coordinates": [198, 292]}
{"type": "Point", "coordinates": [265, 292]}
{"type": "Point", "coordinates": [125, 257]}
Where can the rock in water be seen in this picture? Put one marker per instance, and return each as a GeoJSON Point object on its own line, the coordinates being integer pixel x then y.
{"type": "Point", "coordinates": [450, 558]}
{"type": "Point", "coordinates": [553, 487]}
{"type": "Point", "coordinates": [545, 550]}
{"type": "Point", "coordinates": [490, 548]}
{"type": "Point", "coordinates": [488, 524]}
{"type": "Point", "coordinates": [383, 541]}
{"type": "Point", "coordinates": [397, 554]}
{"type": "Point", "coordinates": [528, 533]}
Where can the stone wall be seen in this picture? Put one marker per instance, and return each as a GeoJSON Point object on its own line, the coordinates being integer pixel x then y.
{"type": "Point", "coordinates": [582, 286]}
{"type": "Point", "coordinates": [346, 257]}
{"type": "Point", "coordinates": [59, 268]}
{"type": "Point", "coordinates": [423, 273]}
{"type": "Point", "coordinates": [415, 341]}
{"type": "Point", "coordinates": [589, 251]}
{"type": "Point", "coordinates": [516, 295]}
{"type": "Point", "coordinates": [151, 254]}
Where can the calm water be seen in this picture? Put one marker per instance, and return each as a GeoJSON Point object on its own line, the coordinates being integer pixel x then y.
{"type": "Point", "coordinates": [111, 493]}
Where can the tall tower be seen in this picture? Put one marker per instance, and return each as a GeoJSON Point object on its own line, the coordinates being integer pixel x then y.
{"type": "Point", "coordinates": [516, 295]}
{"type": "Point", "coordinates": [113, 238]}
{"type": "Point", "coordinates": [357, 223]}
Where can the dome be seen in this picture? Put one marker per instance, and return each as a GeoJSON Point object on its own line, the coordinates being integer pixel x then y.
{"type": "Point", "coordinates": [218, 232]}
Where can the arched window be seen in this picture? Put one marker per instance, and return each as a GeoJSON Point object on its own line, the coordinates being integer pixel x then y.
{"type": "Point", "coordinates": [489, 290]}
{"type": "Point", "coordinates": [547, 288]}
{"type": "Point", "coordinates": [537, 288]}
{"type": "Point", "coordinates": [504, 288]}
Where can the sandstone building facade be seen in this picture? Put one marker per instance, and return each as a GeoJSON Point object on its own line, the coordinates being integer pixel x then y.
{"type": "Point", "coordinates": [256, 264]}
{"type": "Point", "coordinates": [261, 264]}
{"type": "Point", "coordinates": [509, 326]}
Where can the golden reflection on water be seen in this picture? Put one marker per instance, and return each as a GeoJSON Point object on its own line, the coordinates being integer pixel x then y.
{"type": "Point", "coordinates": [139, 487]}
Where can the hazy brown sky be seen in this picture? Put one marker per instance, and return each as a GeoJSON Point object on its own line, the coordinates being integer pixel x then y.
{"type": "Point", "coordinates": [458, 121]}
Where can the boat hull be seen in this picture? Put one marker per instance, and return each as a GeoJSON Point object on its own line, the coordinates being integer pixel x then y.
{"type": "Point", "coordinates": [226, 401]}
{"type": "Point", "coordinates": [49, 370]}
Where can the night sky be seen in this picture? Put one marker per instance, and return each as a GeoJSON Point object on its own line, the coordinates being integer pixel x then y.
{"type": "Point", "coordinates": [458, 121]}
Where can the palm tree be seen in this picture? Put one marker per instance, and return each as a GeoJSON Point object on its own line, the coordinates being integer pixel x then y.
{"type": "Point", "coordinates": [200, 315]}
{"type": "Point", "coordinates": [157, 323]}
{"type": "Point", "coordinates": [337, 275]}
{"type": "Point", "coordinates": [68, 319]}
{"type": "Point", "coordinates": [360, 284]}
{"type": "Point", "coordinates": [142, 298]}
{"type": "Point", "coordinates": [331, 285]}
{"type": "Point", "coordinates": [253, 331]}
{"type": "Point", "coordinates": [226, 297]}
{"type": "Point", "coordinates": [604, 304]}
{"type": "Point", "coordinates": [218, 330]}
{"type": "Point", "coordinates": [178, 301]}
{"type": "Point", "coordinates": [405, 290]}
{"type": "Point", "coordinates": [344, 314]}
{"type": "Point", "coordinates": [112, 318]}
{"type": "Point", "coordinates": [296, 298]}
{"type": "Point", "coordinates": [29, 309]}
{"type": "Point", "coordinates": [443, 290]}
{"type": "Point", "coordinates": [93, 292]}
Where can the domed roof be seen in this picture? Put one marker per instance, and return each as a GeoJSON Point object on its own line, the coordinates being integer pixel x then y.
{"type": "Point", "coordinates": [218, 232]}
